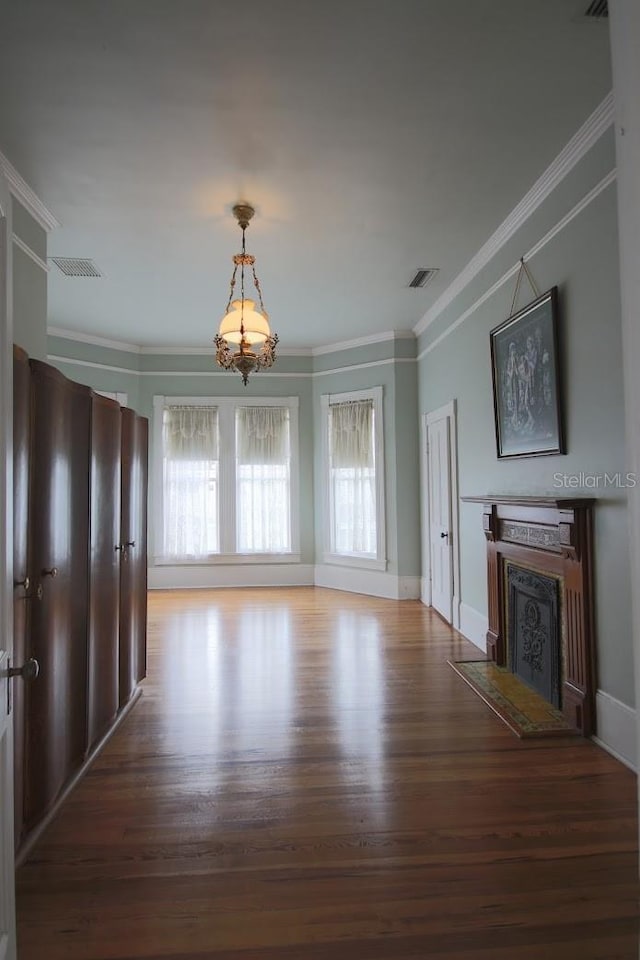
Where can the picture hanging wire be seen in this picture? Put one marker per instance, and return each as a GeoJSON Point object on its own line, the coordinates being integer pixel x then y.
{"type": "Point", "coordinates": [523, 269]}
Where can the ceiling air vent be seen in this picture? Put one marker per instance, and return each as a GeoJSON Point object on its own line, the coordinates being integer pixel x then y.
{"type": "Point", "coordinates": [597, 10]}
{"type": "Point", "coordinates": [422, 277]}
{"type": "Point", "coordinates": [76, 267]}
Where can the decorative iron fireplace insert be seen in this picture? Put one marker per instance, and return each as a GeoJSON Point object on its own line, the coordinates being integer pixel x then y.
{"type": "Point", "coordinates": [539, 569]}
{"type": "Point", "coordinates": [534, 651]}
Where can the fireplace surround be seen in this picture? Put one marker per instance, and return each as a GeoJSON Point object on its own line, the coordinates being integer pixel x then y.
{"type": "Point", "coordinates": [538, 548]}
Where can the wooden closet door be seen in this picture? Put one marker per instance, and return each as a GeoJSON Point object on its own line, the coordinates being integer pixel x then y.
{"type": "Point", "coordinates": [138, 554]}
{"type": "Point", "coordinates": [133, 564]}
{"type": "Point", "coordinates": [104, 567]}
{"type": "Point", "coordinates": [56, 736]}
{"type": "Point", "coordinates": [23, 589]}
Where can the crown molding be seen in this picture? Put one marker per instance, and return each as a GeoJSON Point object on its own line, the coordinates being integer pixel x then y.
{"type": "Point", "coordinates": [363, 366]}
{"type": "Point", "coordinates": [21, 245]}
{"type": "Point", "coordinates": [95, 341]}
{"type": "Point", "coordinates": [175, 351]}
{"type": "Point", "coordinates": [513, 270]}
{"type": "Point", "coordinates": [93, 364]}
{"type": "Point", "coordinates": [275, 374]}
{"type": "Point", "coordinates": [27, 197]}
{"type": "Point", "coordinates": [364, 341]}
{"type": "Point", "coordinates": [580, 144]}
{"type": "Point", "coordinates": [294, 351]}
{"type": "Point", "coordinates": [165, 351]}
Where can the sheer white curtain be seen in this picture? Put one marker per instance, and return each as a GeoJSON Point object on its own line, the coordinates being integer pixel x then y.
{"type": "Point", "coordinates": [190, 481]}
{"type": "Point", "coordinates": [263, 480]}
{"type": "Point", "coordinates": [352, 478]}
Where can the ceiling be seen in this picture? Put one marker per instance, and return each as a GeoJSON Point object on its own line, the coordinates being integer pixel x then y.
{"type": "Point", "coordinates": [372, 136]}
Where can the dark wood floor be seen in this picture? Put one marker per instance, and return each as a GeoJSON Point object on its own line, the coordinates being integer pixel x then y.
{"type": "Point", "coordinates": [306, 779]}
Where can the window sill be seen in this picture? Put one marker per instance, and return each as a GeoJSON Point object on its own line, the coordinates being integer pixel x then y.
{"type": "Point", "coordinates": [226, 559]}
{"type": "Point", "coordinates": [353, 560]}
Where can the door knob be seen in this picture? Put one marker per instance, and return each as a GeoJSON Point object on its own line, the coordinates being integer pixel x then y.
{"type": "Point", "coordinates": [26, 583]}
{"type": "Point", "coordinates": [52, 572]}
{"type": "Point", "coordinates": [118, 547]}
{"type": "Point", "coordinates": [130, 543]}
{"type": "Point", "coordinates": [38, 595]}
{"type": "Point", "coordinates": [443, 535]}
{"type": "Point", "coordinates": [28, 671]}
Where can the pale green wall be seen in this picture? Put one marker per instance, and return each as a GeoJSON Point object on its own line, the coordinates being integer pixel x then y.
{"type": "Point", "coordinates": [582, 260]}
{"type": "Point", "coordinates": [28, 229]}
{"type": "Point", "coordinates": [407, 446]}
{"type": "Point", "coordinates": [143, 376]}
{"type": "Point", "coordinates": [29, 285]}
{"type": "Point", "coordinates": [103, 368]}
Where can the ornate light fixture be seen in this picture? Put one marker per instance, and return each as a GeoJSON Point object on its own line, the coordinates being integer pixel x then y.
{"type": "Point", "coordinates": [244, 341]}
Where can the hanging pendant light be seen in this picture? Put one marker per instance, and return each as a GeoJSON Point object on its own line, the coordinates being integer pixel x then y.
{"type": "Point", "coordinates": [244, 341]}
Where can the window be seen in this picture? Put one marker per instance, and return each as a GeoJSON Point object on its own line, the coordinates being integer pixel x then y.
{"type": "Point", "coordinates": [354, 469]}
{"type": "Point", "coordinates": [226, 475]}
{"type": "Point", "coordinates": [190, 481]}
{"type": "Point", "coordinates": [262, 480]}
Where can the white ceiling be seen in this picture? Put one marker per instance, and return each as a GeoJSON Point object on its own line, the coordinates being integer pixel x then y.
{"type": "Point", "coordinates": [372, 136]}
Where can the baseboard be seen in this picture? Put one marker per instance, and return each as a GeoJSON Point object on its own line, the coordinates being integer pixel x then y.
{"type": "Point", "coordinates": [196, 576]}
{"type": "Point", "coordinates": [617, 729]}
{"type": "Point", "coordinates": [474, 626]}
{"type": "Point", "coordinates": [408, 588]}
{"type": "Point", "coordinates": [373, 583]}
{"type": "Point", "coordinates": [425, 591]}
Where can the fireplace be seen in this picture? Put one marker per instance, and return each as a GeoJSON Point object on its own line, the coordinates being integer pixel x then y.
{"type": "Point", "coordinates": [539, 570]}
{"type": "Point", "coordinates": [534, 649]}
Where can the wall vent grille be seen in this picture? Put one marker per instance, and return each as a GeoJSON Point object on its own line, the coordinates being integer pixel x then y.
{"type": "Point", "coordinates": [422, 277]}
{"type": "Point", "coordinates": [597, 10]}
{"type": "Point", "coordinates": [76, 267]}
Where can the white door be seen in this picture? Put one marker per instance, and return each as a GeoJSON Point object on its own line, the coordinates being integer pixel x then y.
{"type": "Point", "coordinates": [7, 889]}
{"type": "Point", "coordinates": [440, 526]}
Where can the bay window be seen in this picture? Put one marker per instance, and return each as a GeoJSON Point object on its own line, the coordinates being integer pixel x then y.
{"type": "Point", "coordinates": [354, 472]}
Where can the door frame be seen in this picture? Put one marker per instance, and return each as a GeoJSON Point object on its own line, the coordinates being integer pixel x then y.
{"type": "Point", "coordinates": [448, 411]}
{"type": "Point", "coordinates": [7, 866]}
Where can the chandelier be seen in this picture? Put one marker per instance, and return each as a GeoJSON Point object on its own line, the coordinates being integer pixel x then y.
{"type": "Point", "coordinates": [244, 341]}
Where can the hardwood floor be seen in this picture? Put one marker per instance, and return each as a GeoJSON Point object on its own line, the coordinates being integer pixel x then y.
{"type": "Point", "coordinates": [306, 779]}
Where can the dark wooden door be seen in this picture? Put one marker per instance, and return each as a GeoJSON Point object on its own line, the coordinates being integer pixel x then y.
{"type": "Point", "coordinates": [138, 554]}
{"type": "Point", "coordinates": [23, 590]}
{"type": "Point", "coordinates": [104, 567]}
{"type": "Point", "coordinates": [133, 563]}
{"type": "Point", "coordinates": [56, 736]}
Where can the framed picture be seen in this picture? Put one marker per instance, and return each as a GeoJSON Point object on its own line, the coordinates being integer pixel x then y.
{"type": "Point", "coordinates": [526, 381]}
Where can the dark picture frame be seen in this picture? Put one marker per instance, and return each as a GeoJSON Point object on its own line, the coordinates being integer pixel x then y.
{"type": "Point", "coordinates": [525, 367]}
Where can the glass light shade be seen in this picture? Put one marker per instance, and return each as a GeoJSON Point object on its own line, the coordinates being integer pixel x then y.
{"type": "Point", "coordinates": [256, 325]}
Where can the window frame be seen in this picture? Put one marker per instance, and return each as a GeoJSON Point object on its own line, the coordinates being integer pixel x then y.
{"type": "Point", "coordinates": [366, 561]}
{"type": "Point", "coordinates": [226, 407]}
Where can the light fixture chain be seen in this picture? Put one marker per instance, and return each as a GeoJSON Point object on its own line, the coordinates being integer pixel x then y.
{"type": "Point", "coordinates": [258, 288]}
{"type": "Point", "coordinates": [231, 286]}
{"type": "Point", "coordinates": [242, 285]}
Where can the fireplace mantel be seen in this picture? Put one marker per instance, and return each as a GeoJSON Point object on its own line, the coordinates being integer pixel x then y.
{"type": "Point", "coordinates": [552, 536]}
{"type": "Point", "coordinates": [557, 503]}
